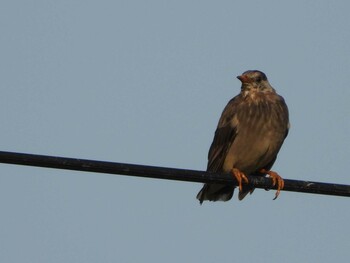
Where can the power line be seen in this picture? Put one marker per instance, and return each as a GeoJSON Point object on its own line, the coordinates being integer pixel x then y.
{"type": "Point", "coordinates": [166, 173]}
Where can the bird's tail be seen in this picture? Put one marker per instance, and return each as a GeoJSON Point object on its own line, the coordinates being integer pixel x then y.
{"type": "Point", "coordinates": [246, 189]}
{"type": "Point", "coordinates": [215, 192]}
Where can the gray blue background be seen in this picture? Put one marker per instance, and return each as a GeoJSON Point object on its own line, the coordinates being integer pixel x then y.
{"type": "Point", "coordinates": [145, 82]}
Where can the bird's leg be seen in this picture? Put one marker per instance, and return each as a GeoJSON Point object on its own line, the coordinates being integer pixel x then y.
{"type": "Point", "coordinates": [275, 179]}
{"type": "Point", "coordinates": [239, 177]}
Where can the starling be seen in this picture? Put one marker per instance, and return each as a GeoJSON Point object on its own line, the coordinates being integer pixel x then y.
{"type": "Point", "coordinates": [249, 135]}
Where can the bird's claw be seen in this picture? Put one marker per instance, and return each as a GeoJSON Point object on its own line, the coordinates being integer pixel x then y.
{"type": "Point", "coordinates": [276, 179]}
{"type": "Point", "coordinates": [239, 177]}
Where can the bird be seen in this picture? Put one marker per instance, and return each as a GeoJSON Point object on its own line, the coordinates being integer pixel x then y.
{"type": "Point", "coordinates": [249, 135]}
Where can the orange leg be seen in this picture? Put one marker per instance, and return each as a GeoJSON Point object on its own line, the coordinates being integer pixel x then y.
{"type": "Point", "coordinates": [239, 177]}
{"type": "Point", "coordinates": [275, 179]}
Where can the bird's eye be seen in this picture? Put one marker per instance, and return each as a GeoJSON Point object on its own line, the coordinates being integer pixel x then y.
{"type": "Point", "coordinates": [258, 79]}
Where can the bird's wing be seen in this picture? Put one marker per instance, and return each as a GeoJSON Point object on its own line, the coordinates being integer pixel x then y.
{"type": "Point", "coordinates": [283, 119]}
{"type": "Point", "coordinates": [225, 135]}
{"type": "Point", "coordinates": [284, 116]}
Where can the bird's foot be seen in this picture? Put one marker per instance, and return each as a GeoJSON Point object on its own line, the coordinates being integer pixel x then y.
{"type": "Point", "coordinates": [239, 177]}
{"type": "Point", "coordinates": [275, 179]}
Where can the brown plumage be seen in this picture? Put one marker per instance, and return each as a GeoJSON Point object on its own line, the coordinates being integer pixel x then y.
{"type": "Point", "coordinates": [248, 137]}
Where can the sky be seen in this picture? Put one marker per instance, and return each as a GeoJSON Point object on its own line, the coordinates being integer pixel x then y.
{"type": "Point", "coordinates": [145, 82]}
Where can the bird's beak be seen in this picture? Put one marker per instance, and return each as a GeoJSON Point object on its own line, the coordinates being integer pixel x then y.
{"type": "Point", "coordinates": [242, 78]}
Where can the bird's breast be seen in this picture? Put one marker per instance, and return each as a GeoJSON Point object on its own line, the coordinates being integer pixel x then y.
{"type": "Point", "coordinates": [260, 133]}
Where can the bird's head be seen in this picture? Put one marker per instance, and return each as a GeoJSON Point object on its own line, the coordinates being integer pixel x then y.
{"type": "Point", "coordinates": [254, 80]}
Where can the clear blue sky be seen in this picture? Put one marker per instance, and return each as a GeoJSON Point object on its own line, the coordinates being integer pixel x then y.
{"type": "Point", "coordinates": [145, 82]}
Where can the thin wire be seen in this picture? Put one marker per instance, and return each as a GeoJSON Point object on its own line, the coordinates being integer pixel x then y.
{"type": "Point", "coordinates": [166, 173]}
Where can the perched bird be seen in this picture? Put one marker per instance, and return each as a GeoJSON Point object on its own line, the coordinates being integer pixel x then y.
{"type": "Point", "coordinates": [248, 137]}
